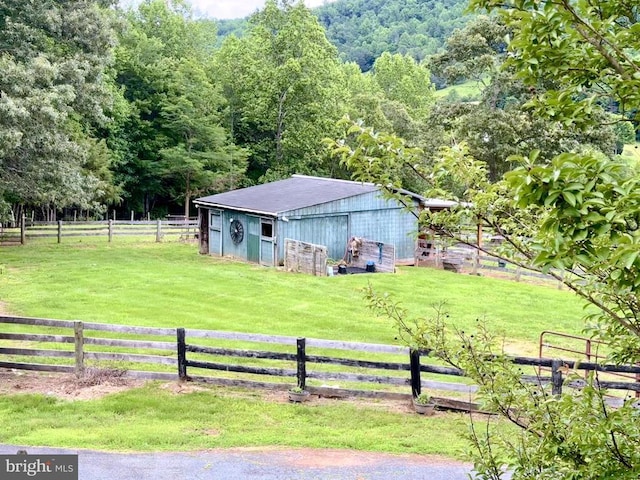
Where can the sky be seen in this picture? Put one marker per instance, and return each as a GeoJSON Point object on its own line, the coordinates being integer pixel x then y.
{"type": "Point", "coordinates": [221, 9]}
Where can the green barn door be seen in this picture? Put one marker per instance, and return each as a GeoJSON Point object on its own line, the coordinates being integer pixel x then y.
{"type": "Point", "coordinates": [253, 239]}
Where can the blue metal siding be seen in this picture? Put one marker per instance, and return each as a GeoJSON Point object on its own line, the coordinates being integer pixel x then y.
{"type": "Point", "coordinates": [228, 247]}
{"type": "Point", "coordinates": [397, 227]}
{"type": "Point", "coordinates": [331, 231]}
{"type": "Point", "coordinates": [366, 202]}
{"type": "Point", "coordinates": [369, 216]}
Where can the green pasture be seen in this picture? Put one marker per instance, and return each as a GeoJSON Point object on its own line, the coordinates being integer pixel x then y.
{"type": "Point", "coordinates": [170, 285]}
{"type": "Point", "coordinates": [469, 91]}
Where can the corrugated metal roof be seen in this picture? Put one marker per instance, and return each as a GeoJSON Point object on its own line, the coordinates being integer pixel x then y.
{"type": "Point", "coordinates": [293, 193]}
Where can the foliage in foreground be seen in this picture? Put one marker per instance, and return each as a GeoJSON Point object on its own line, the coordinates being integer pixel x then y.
{"type": "Point", "coordinates": [577, 212]}
{"type": "Point", "coordinates": [572, 435]}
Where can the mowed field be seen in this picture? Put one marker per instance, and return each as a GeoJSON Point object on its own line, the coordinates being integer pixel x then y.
{"type": "Point", "coordinates": [170, 285]}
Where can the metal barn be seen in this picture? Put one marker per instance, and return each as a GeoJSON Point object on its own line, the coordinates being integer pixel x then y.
{"type": "Point", "coordinates": [252, 223]}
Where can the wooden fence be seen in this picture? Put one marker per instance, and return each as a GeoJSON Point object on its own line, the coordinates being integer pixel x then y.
{"type": "Point", "coordinates": [303, 257]}
{"type": "Point", "coordinates": [214, 357]}
{"type": "Point", "coordinates": [109, 229]}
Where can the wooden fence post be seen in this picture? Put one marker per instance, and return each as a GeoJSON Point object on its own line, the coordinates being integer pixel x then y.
{"type": "Point", "coordinates": [59, 231]}
{"type": "Point", "coordinates": [23, 230]}
{"type": "Point", "coordinates": [301, 355]}
{"type": "Point", "coordinates": [158, 231]}
{"type": "Point", "coordinates": [110, 223]}
{"type": "Point", "coordinates": [414, 362]}
{"type": "Point", "coordinates": [182, 354]}
{"type": "Point", "coordinates": [556, 377]}
{"type": "Point", "coordinates": [78, 333]}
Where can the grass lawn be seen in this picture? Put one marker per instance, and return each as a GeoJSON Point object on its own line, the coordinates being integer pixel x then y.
{"type": "Point", "coordinates": [156, 418]}
{"type": "Point", "coordinates": [170, 285]}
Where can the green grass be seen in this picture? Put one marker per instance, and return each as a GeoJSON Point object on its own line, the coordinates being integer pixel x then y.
{"type": "Point", "coordinates": [170, 285]}
{"type": "Point", "coordinates": [467, 91]}
{"type": "Point", "coordinates": [154, 418]}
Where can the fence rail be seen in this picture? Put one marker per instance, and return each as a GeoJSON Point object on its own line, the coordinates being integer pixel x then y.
{"type": "Point", "coordinates": [178, 353]}
{"type": "Point", "coordinates": [178, 228]}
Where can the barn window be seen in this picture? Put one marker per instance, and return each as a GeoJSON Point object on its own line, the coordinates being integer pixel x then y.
{"type": "Point", "coordinates": [267, 229]}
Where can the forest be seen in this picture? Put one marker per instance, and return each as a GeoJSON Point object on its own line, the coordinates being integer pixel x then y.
{"type": "Point", "coordinates": [362, 30]}
{"type": "Point", "coordinates": [142, 110]}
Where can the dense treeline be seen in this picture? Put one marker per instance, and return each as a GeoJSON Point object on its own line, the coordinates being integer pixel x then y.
{"type": "Point", "coordinates": [362, 30]}
{"type": "Point", "coordinates": [142, 110]}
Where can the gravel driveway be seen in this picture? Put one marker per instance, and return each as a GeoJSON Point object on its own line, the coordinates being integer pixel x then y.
{"type": "Point", "coordinates": [257, 463]}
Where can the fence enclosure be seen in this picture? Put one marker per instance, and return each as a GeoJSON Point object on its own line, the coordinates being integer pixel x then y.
{"type": "Point", "coordinates": [281, 362]}
{"type": "Point", "coordinates": [182, 229]}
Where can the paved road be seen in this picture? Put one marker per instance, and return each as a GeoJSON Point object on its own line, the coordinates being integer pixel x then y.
{"type": "Point", "coordinates": [256, 464]}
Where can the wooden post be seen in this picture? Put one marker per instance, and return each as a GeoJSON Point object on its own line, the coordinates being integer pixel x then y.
{"type": "Point", "coordinates": [313, 268]}
{"type": "Point", "coordinates": [158, 231]}
{"type": "Point", "coordinates": [414, 362]}
{"type": "Point", "coordinates": [476, 262]}
{"type": "Point", "coordinates": [59, 231]}
{"type": "Point", "coordinates": [556, 377]}
{"type": "Point", "coordinates": [114, 214]}
{"type": "Point", "coordinates": [182, 354]}
{"type": "Point", "coordinates": [110, 222]}
{"type": "Point", "coordinates": [301, 355]}
{"type": "Point", "coordinates": [23, 230]}
{"type": "Point", "coordinates": [78, 332]}
{"type": "Point", "coordinates": [132, 216]}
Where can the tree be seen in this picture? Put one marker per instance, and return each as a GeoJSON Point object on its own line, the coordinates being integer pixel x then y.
{"type": "Point", "coordinates": [173, 143]}
{"type": "Point", "coordinates": [405, 81]}
{"type": "Point", "coordinates": [54, 59]}
{"type": "Point", "coordinates": [576, 212]}
{"type": "Point", "coordinates": [286, 101]}
{"type": "Point", "coordinates": [502, 123]}
{"type": "Point", "coordinates": [201, 159]}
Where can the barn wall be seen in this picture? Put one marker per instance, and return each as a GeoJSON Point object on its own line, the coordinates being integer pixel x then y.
{"type": "Point", "coordinates": [396, 227]}
{"type": "Point", "coordinates": [368, 215]}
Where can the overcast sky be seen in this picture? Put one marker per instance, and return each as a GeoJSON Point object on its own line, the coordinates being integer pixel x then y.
{"type": "Point", "coordinates": [230, 8]}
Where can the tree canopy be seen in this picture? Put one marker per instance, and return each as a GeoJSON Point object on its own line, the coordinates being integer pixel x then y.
{"type": "Point", "coordinates": [572, 213]}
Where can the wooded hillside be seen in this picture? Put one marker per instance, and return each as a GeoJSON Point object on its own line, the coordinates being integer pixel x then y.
{"type": "Point", "coordinates": [364, 29]}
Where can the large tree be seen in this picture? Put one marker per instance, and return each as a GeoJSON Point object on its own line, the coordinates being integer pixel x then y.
{"type": "Point", "coordinates": [173, 144]}
{"type": "Point", "coordinates": [54, 96]}
{"type": "Point", "coordinates": [280, 81]}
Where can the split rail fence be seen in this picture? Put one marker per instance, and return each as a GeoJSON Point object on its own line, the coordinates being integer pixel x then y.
{"type": "Point", "coordinates": [109, 229]}
{"type": "Point", "coordinates": [215, 357]}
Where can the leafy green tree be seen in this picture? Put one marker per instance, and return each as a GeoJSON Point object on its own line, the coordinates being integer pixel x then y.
{"type": "Point", "coordinates": [54, 58]}
{"type": "Point", "coordinates": [173, 144]}
{"type": "Point", "coordinates": [502, 123]}
{"type": "Point", "coordinates": [287, 100]}
{"type": "Point", "coordinates": [405, 81]}
{"type": "Point", "coordinates": [202, 159]}
{"type": "Point", "coordinates": [575, 213]}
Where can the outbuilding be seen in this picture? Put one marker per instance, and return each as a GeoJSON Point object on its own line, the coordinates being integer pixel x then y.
{"type": "Point", "coordinates": [252, 223]}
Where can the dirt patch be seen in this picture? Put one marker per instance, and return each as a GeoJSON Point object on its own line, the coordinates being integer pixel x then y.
{"type": "Point", "coordinates": [95, 384]}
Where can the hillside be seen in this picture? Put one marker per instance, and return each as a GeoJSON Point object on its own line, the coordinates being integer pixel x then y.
{"type": "Point", "coordinates": [363, 29]}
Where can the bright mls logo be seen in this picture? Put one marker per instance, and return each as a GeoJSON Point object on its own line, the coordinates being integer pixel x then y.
{"type": "Point", "coordinates": [51, 467]}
